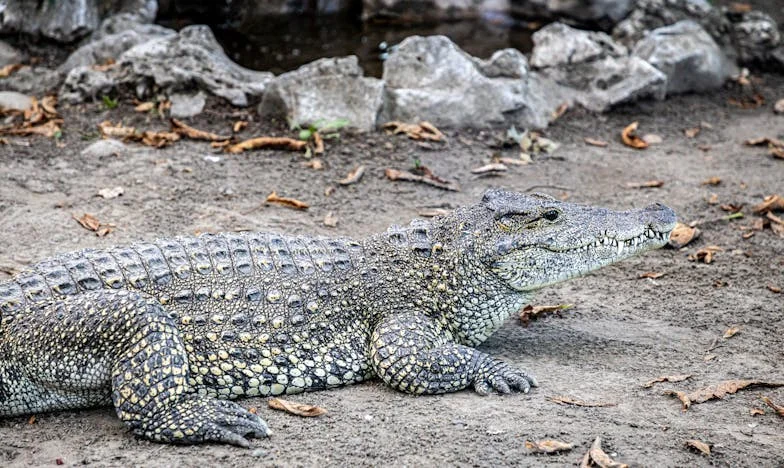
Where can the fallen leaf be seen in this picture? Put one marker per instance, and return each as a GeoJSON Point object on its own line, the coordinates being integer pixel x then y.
{"type": "Point", "coordinates": [651, 275]}
{"type": "Point", "coordinates": [239, 126]}
{"type": "Point", "coordinates": [652, 139]}
{"type": "Point", "coordinates": [316, 164]}
{"type": "Point", "coordinates": [630, 138]}
{"type": "Point", "coordinates": [9, 69]}
{"type": "Point", "coordinates": [318, 143]}
{"type": "Point", "coordinates": [547, 446]}
{"type": "Point", "coordinates": [421, 131]}
{"type": "Point", "coordinates": [682, 235]}
{"type": "Point", "coordinates": [112, 192]}
{"type": "Point", "coordinates": [595, 142]}
{"type": "Point", "coordinates": [756, 411]}
{"type": "Point", "coordinates": [748, 102]}
{"type": "Point", "coordinates": [774, 289]}
{"type": "Point", "coordinates": [698, 445]}
{"type": "Point", "coordinates": [515, 161]}
{"type": "Point", "coordinates": [646, 184]}
{"type": "Point", "coordinates": [682, 396]}
{"type": "Point", "coordinates": [282, 143]}
{"type": "Point", "coordinates": [158, 139]}
{"type": "Point", "coordinates": [427, 178]}
{"type": "Point", "coordinates": [566, 400]}
{"type": "Point", "coordinates": [777, 408]}
{"type": "Point", "coordinates": [692, 132]}
{"type": "Point", "coordinates": [194, 134]}
{"type": "Point", "coordinates": [559, 112]}
{"type": "Point", "coordinates": [775, 219]}
{"type": "Point", "coordinates": [667, 378]}
{"type": "Point", "coordinates": [330, 220]}
{"type": "Point", "coordinates": [705, 254]}
{"type": "Point", "coordinates": [109, 130]}
{"type": "Point", "coordinates": [767, 141]}
{"type": "Point", "coordinates": [531, 312]}
{"type": "Point", "coordinates": [433, 212]}
{"type": "Point", "coordinates": [31, 420]}
{"type": "Point", "coordinates": [597, 455]}
{"type": "Point", "coordinates": [299, 409]}
{"type": "Point", "coordinates": [777, 152]}
{"type": "Point", "coordinates": [732, 207]}
{"type": "Point", "coordinates": [354, 176]}
{"type": "Point", "coordinates": [253, 410]}
{"type": "Point", "coordinates": [88, 222]}
{"type": "Point", "coordinates": [48, 129]}
{"type": "Point", "coordinates": [770, 203]}
{"type": "Point", "coordinates": [290, 202]}
{"type": "Point", "coordinates": [719, 391]}
{"type": "Point", "coordinates": [103, 231]}
{"type": "Point", "coordinates": [493, 168]}
{"type": "Point", "coordinates": [712, 181]}
{"type": "Point", "coordinates": [145, 106]}
{"type": "Point", "coordinates": [220, 144]}
{"type": "Point", "coordinates": [730, 332]}
{"type": "Point", "coordinates": [49, 106]}
{"type": "Point", "coordinates": [714, 199]}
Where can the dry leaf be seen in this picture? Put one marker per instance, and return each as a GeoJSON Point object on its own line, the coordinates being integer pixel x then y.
{"type": "Point", "coordinates": [239, 126]}
{"type": "Point", "coordinates": [282, 143]}
{"type": "Point", "coordinates": [595, 142]}
{"type": "Point", "coordinates": [31, 420]}
{"type": "Point", "coordinates": [88, 222]}
{"type": "Point", "coordinates": [756, 411]}
{"type": "Point", "coordinates": [630, 138]}
{"type": "Point", "coordinates": [774, 289]}
{"type": "Point", "coordinates": [427, 178]}
{"type": "Point", "coordinates": [559, 112]}
{"type": "Point", "coordinates": [770, 203]}
{"type": "Point", "coordinates": [566, 400]}
{"type": "Point", "coordinates": [433, 212]}
{"type": "Point", "coordinates": [330, 220]}
{"type": "Point", "coordinates": [194, 134]}
{"type": "Point", "coordinates": [651, 275]}
{"type": "Point", "coordinates": [777, 152]}
{"type": "Point", "coordinates": [103, 230]}
{"type": "Point", "coordinates": [493, 168]}
{"type": "Point", "coordinates": [667, 378]}
{"type": "Point", "coordinates": [731, 207]}
{"type": "Point", "coordinates": [145, 106]}
{"type": "Point", "coordinates": [547, 446]}
{"type": "Point", "coordinates": [354, 176]}
{"type": "Point", "coordinates": [646, 184]}
{"type": "Point", "coordinates": [714, 199]}
{"type": "Point", "coordinates": [692, 132]}
{"type": "Point", "coordinates": [420, 131]}
{"type": "Point", "coordinates": [299, 409]}
{"type": "Point", "coordinates": [685, 401]}
{"type": "Point", "coordinates": [705, 254]}
{"type": "Point", "coordinates": [712, 181]}
{"type": "Point", "coordinates": [598, 456]}
{"type": "Point", "coordinates": [767, 141]}
{"type": "Point", "coordinates": [318, 143]}
{"type": "Point", "coordinates": [701, 446]}
{"type": "Point", "coordinates": [718, 391]}
{"type": "Point", "coordinates": [48, 129]}
{"type": "Point", "coordinates": [112, 192]}
{"type": "Point", "coordinates": [220, 144]}
{"type": "Point", "coordinates": [748, 102]}
{"type": "Point", "coordinates": [316, 164]}
{"type": "Point", "coordinates": [8, 70]}
{"type": "Point", "coordinates": [514, 161]}
{"type": "Point", "coordinates": [108, 130]}
{"type": "Point", "coordinates": [682, 235]}
{"type": "Point", "coordinates": [158, 139]}
{"type": "Point", "coordinates": [290, 202]}
{"type": "Point", "coordinates": [49, 106]}
{"type": "Point", "coordinates": [531, 312]}
{"type": "Point", "coordinates": [777, 408]}
{"type": "Point", "coordinates": [732, 331]}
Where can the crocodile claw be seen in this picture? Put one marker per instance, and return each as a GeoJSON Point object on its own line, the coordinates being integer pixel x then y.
{"type": "Point", "coordinates": [498, 376]}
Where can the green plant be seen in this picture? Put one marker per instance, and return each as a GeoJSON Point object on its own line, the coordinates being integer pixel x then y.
{"type": "Point", "coordinates": [110, 103]}
{"type": "Point", "coordinates": [327, 128]}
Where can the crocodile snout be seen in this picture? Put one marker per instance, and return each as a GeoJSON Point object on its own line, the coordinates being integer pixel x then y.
{"type": "Point", "coordinates": [660, 217]}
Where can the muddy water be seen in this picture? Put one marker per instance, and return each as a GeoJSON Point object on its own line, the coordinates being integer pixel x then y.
{"type": "Point", "coordinates": [282, 44]}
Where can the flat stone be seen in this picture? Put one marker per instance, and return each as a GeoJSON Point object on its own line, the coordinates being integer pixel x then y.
{"type": "Point", "coordinates": [187, 105]}
{"type": "Point", "coordinates": [11, 100]}
{"type": "Point", "coordinates": [35, 81]}
{"type": "Point", "coordinates": [105, 148]}
{"type": "Point", "coordinates": [558, 44]}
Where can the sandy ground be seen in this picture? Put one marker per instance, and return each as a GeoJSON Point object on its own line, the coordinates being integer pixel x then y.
{"type": "Point", "coordinates": [621, 332]}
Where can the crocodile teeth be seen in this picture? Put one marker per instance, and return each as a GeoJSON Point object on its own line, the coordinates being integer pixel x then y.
{"type": "Point", "coordinates": [620, 247]}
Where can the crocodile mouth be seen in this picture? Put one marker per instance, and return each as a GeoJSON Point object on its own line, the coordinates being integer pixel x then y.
{"type": "Point", "coordinates": [650, 236]}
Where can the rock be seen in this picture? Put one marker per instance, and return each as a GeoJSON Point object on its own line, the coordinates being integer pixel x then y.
{"type": "Point", "coordinates": [130, 22]}
{"type": "Point", "coordinates": [9, 55]}
{"type": "Point", "coordinates": [755, 36]}
{"type": "Point", "coordinates": [605, 13]}
{"type": "Point", "coordinates": [431, 78]}
{"type": "Point", "coordinates": [65, 20]}
{"type": "Point", "coordinates": [105, 148]}
{"type": "Point", "coordinates": [173, 63]}
{"type": "Point", "coordinates": [688, 55]}
{"type": "Point", "coordinates": [326, 90]}
{"type": "Point", "coordinates": [592, 69]}
{"type": "Point", "coordinates": [11, 100]}
{"type": "Point", "coordinates": [186, 105]}
{"type": "Point", "coordinates": [35, 81]}
{"type": "Point", "coordinates": [653, 14]}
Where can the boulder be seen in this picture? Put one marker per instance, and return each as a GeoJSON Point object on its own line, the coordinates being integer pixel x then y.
{"type": "Point", "coordinates": [187, 105]}
{"type": "Point", "coordinates": [66, 21]}
{"type": "Point", "coordinates": [35, 81]}
{"type": "Point", "coordinates": [648, 15]}
{"type": "Point", "coordinates": [592, 69]}
{"type": "Point", "coordinates": [605, 13]}
{"type": "Point", "coordinates": [325, 90]}
{"type": "Point", "coordinates": [9, 55]}
{"type": "Point", "coordinates": [755, 35]}
{"type": "Point", "coordinates": [431, 78]}
{"type": "Point", "coordinates": [688, 55]}
{"type": "Point", "coordinates": [13, 101]}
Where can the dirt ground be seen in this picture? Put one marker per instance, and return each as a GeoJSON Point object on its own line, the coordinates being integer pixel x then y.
{"type": "Point", "coordinates": [622, 331]}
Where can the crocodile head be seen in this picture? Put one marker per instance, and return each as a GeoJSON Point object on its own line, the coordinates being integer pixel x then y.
{"type": "Point", "coordinates": [531, 241]}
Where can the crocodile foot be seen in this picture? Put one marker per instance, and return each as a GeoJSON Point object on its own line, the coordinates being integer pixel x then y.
{"type": "Point", "coordinates": [498, 376]}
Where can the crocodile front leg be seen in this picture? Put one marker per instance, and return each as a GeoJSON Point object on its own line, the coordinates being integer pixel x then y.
{"type": "Point", "coordinates": [415, 354]}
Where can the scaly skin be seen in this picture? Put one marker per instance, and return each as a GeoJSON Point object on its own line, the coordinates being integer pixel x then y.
{"type": "Point", "coordinates": [169, 331]}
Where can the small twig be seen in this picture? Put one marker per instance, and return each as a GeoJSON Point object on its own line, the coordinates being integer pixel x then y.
{"type": "Point", "coordinates": [556, 187]}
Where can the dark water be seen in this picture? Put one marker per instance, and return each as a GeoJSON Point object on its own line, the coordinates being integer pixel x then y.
{"type": "Point", "coordinates": [282, 44]}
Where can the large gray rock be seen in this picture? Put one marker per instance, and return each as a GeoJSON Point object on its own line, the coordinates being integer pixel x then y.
{"type": "Point", "coordinates": [326, 90]}
{"type": "Point", "coordinates": [755, 35]}
{"type": "Point", "coordinates": [9, 55]}
{"type": "Point", "coordinates": [66, 20]}
{"type": "Point", "coordinates": [35, 81]}
{"type": "Point", "coordinates": [688, 55]}
{"type": "Point", "coordinates": [187, 105]}
{"type": "Point", "coordinates": [190, 60]}
{"type": "Point", "coordinates": [592, 69]}
{"type": "Point", "coordinates": [13, 101]}
{"type": "Point", "coordinates": [653, 14]}
{"type": "Point", "coordinates": [604, 12]}
{"type": "Point", "coordinates": [431, 78]}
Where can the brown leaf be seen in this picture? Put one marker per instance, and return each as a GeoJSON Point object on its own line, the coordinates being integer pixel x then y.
{"type": "Point", "coordinates": [9, 69]}
{"type": "Point", "coordinates": [630, 138]}
{"type": "Point", "coordinates": [774, 219]}
{"type": "Point", "coordinates": [595, 142]}
{"type": "Point", "coordinates": [732, 207]}
{"type": "Point", "coordinates": [682, 235]}
{"type": "Point", "coordinates": [239, 126]}
{"type": "Point", "coordinates": [298, 409]}
{"type": "Point", "coordinates": [727, 387]}
{"type": "Point", "coordinates": [108, 130]}
{"type": "Point", "coordinates": [770, 203]}
{"type": "Point", "coordinates": [421, 131]}
{"type": "Point", "coordinates": [777, 152]}
{"type": "Point", "coordinates": [88, 221]}
{"type": "Point", "coordinates": [773, 288]}
{"type": "Point", "coordinates": [290, 202]}
{"type": "Point", "coordinates": [194, 134]}
{"type": "Point", "coordinates": [103, 231]}
{"type": "Point", "coordinates": [31, 420]}
{"type": "Point", "coordinates": [700, 446]}
{"type": "Point", "coordinates": [330, 220]}
{"type": "Point", "coordinates": [767, 141]}
{"type": "Point", "coordinates": [712, 181]}
{"type": "Point", "coordinates": [748, 102]}
{"type": "Point", "coordinates": [316, 164]}
{"type": "Point", "coordinates": [777, 408]}
{"type": "Point", "coordinates": [159, 139]}
{"type": "Point", "coordinates": [318, 143]}
{"type": "Point", "coordinates": [493, 168]}
{"type": "Point", "coordinates": [651, 275]}
{"type": "Point", "coordinates": [667, 378]}
{"type": "Point", "coordinates": [682, 396]}
{"type": "Point", "coordinates": [692, 132]}
{"type": "Point", "coordinates": [145, 106]}
{"type": "Point", "coordinates": [282, 143]}
{"type": "Point", "coordinates": [597, 455]}
{"type": "Point", "coordinates": [547, 446]}
{"type": "Point", "coordinates": [714, 199]}
{"type": "Point", "coordinates": [559, 112]}
{"type": "Point", "coordinates": [646, 184]}
{"type": "Point", "coordinates": [48, 129]}
{"type": "Point", "coordinates": [756, 411]}
{"type": "Point", "coordinates": [730, 332]}
{"type": "Point", "coordinates": [354, 176]}
{"type": "Point", "coordinates": [531, 312]}
{"type": "Point", "coordinates": [705, 254]}
{"type": "Point", "coordinates": [427, 178]}
{"type": "Point", "coordinates": [566, 400]}
{"type": "Point", "coordinates": [515, 161]}
{"type": "Point", "coordinates": [49, 106]}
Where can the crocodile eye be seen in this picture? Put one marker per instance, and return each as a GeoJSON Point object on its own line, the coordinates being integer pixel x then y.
{"type": "Point", "coordinates": [550, 215]}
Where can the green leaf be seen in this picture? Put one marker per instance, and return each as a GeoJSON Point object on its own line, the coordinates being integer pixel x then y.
{"type": "Point", "coordinates": [109, 102]}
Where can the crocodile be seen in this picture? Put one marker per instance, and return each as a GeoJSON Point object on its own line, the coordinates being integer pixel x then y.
{"type": "Point", "coordinates": [171, 332]}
